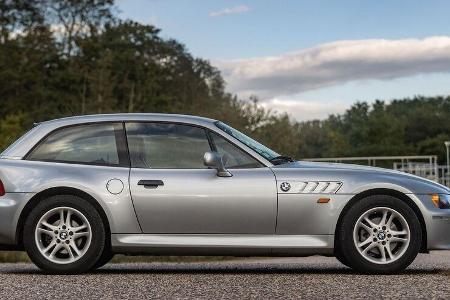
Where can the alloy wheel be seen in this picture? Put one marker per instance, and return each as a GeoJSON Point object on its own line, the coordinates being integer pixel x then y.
{"type": "Point", "coordinates": [381, 235]}
{"type": "Point", "coordinates": [63, 235]}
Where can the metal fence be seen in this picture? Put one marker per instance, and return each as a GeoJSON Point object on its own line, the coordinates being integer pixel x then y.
{"type": "Point", "coordinates": [426, 171]}
{"type": "Point", "coordinates": [425, 166]}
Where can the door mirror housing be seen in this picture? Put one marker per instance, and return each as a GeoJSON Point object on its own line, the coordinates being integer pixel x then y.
{"type": "Point", "coordinates": [214, 160]}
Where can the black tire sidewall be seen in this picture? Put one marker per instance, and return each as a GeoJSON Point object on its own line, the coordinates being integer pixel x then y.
{"type": "Point", "coordinates": [341, 258]}
{"type": "Point", "coordinates": [105, 258]}
{"type": "Point", "coordinates": [348, 249]}
{"type": "Point", "coordinates": [96, 247]}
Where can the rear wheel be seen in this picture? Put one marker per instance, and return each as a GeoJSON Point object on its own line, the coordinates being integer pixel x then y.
{"type": "Point", "coordinates": [64, 234]}
{"type": "Point", "coordinates": [380, 234]}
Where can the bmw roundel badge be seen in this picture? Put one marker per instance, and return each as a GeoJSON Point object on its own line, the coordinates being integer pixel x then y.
{"type": "Point", "coordinates": [285, 186]}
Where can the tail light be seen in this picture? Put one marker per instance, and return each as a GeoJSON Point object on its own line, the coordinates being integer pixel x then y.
{"type": "Point", "coordinates": [2, 189]}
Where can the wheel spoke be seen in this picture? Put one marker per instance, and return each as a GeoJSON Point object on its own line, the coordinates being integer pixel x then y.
{"type": "Point", "coordinates": [69, 250]}
{"type": "Point", "coordinates": [397, 239]}
{"type": "Point", "coordinates": [371, 224]}
{"type": "Point", "coordinates": [52, 227]}
{"type": "Point", "coordinates": [371, 246]}
{"type": "Point", "coordinates": [68, 218]}
{"type": "Point", "coordinates": [52, 243]}
{"type": "Point", "coordinates": [397, 233]}
{"type": "Point", "coordinates": [367, 241]}
{"type": "Point", "coordinates": [389, 221]}
{"type": "Point", "coordinates": [79, 235]}
{"type": "Point", "coordinates": [367, 228]}
{"type": "Point", "coordinates": [55, 250]}
{"type": "Point", "coordinates": [79, 228]}
{"type": "Point", "coordinates": [383, 219]}
{"type": "Point", "coordinates": [382, 252]}
{"type": "Point", "coordinates": [388, 249]}
{"type": "Point", "coordinates": [61, 217]}
{"type": "Point", "coordinates": [45, 231]}
{"type": "Point", "coordinates": [75, 248]}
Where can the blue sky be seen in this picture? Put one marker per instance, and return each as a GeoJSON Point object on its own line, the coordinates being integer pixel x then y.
{"type": "Point", "coordinates": [309, 57]}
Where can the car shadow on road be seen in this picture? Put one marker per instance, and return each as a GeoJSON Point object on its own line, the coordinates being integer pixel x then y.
{"type": "Point", "coordinates": [233, 269]}
{"type": "Point", "coordinates": [248, 270]}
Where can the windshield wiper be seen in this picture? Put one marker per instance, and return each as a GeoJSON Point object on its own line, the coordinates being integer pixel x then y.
{"type": "Point", "coordinates": [281, 159]}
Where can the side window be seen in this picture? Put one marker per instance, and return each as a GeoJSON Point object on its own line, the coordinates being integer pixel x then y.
{"type": "Point", "coordinates": [166, 146]}
{"type": "Point", "coordinates": [233, 157]}
{"type": "Point", "coordinates": [88, 144]}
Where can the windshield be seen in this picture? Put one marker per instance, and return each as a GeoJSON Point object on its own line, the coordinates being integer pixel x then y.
{"type": "Point", "coordinates": [254, 145]}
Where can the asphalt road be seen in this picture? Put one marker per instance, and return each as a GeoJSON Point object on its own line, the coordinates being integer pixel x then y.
{"type": "Point", "coordinates": [311, 277]}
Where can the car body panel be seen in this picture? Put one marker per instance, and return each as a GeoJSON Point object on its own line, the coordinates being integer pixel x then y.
{"type": "Point", "coordinates": [11, 206]}
{"type": "Point", "coordinates": [231, 244]}
{"type": "Point", "coordinates": [32, 177]}
{"type": "Point", "coordinates": [300, 214]}
{"type": "Point", "coordinates": [198, 201]}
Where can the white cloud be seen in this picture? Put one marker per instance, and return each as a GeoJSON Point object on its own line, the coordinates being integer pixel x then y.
{"type": "Point", "coordinates": [302, 110]}
{"type": "Point", "coordinates": [230, 11]}
{"type": "Point", "coordinates": [335, 63]}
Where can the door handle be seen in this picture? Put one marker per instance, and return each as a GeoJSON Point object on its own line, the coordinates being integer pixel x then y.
{"type": "Point", "coordinates": [151, 183]}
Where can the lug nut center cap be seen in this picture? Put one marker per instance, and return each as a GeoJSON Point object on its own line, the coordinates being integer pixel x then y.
{"type": "Point", "coordinates": [381, 235]}
{"type": "Point", "coordinates": [63, 235]}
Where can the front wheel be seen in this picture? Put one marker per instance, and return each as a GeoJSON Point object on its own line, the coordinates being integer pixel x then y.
{"type": "Point", "coordinates": [379, 234]}
{"type": "Point", "coordinates": [64, 234]}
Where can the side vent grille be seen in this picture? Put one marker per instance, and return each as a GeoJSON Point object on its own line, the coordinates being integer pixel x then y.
{"type": "Point", "coordinates": [309, 187]}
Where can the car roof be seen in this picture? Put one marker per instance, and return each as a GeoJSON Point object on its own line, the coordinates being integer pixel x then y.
{"type": "Point", "coordinates": [128, 117]}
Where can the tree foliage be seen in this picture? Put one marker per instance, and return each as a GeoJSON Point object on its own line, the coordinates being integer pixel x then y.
{"type": "Point", "coordinates": [69, 57]}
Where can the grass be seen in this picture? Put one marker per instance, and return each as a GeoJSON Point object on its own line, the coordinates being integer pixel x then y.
{"type": "Point", "coordinates": [22, 257]}
{"type": "Point", "coordinates": [13, 257]}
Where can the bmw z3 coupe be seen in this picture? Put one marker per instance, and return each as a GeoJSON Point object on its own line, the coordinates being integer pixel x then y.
{"type": "Point", "coordinates": [76, 191]}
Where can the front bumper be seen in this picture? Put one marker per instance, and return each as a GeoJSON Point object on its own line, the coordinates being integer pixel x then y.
{"type": "Point", "coordinates": [437, 223]}
{"type": "Point", "coordinates": [438, 232]}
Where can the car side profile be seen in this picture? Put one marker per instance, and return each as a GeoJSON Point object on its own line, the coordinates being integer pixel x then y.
{"type": "Point", "coordinates": [75, 191]}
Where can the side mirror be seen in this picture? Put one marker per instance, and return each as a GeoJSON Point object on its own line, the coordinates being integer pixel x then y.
{"type": "Point", "coordinates": [214, 160]}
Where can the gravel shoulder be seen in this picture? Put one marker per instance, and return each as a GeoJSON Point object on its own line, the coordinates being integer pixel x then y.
{"type": "Point", "coordinates": [312, 277]}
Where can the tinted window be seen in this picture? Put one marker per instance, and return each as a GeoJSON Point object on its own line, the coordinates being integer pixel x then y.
{"type": "Point", "coordinates": [93, 144]}
{"type": "Point", "coordinates": [166, 146]}
{"type": "Point", "coordinates": [232, 156]}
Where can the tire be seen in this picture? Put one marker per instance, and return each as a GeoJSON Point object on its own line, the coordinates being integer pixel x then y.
{"type": "Point", "coordinates": [387, 244]}
{"type": "Point", "coordinates": [59, 249]}
{"type": "Point", "coordinates": [105, 258]}
{"type": "Point", "coordinates": [342, 259]}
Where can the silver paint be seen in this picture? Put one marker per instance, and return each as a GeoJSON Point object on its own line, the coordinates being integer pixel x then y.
{"type": "Point", "coordinates": [198, 212]}
{"type": "Point", "coordinates": [115, 186]}
{"type": "Point", "coordinates": [199, 201]}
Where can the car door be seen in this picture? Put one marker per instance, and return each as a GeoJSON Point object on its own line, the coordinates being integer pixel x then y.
{"type": "Point", "coordinates": [173, 192]}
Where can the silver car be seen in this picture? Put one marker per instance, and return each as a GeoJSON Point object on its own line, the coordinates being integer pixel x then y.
{"type": "Point", "coordinates": [76, 191]}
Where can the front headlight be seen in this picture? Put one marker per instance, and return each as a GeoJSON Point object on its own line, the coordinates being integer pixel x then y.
{"type": "Point", "coordinates": [441, 200]}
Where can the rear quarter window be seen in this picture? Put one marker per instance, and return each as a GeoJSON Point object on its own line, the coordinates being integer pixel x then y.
{"type": "Point", "coordinates": [87, 144]}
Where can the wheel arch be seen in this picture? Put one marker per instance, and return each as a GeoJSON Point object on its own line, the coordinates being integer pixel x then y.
{"type": "Point", "coordinates": [390, 192]}
{"type": "Point", "coordinates": [53, 192]}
